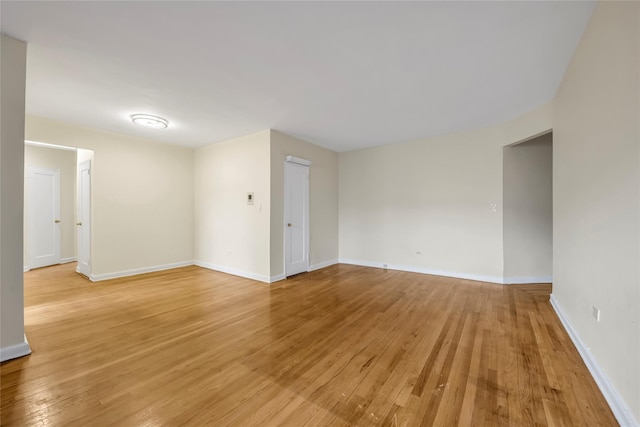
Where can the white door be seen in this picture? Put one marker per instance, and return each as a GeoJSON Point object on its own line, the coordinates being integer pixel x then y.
{"type": "Point", "coordinates": [43, 217]}
{"type": "Point", "coordinates": [84, 218]}
{"type": "Point", "coordinates": [296, 218]}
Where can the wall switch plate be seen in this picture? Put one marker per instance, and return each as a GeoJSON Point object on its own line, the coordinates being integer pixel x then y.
{"type": "Point", "coordinates": [250, 198]}
{"type": "Point", "coordinates": [596, 313]}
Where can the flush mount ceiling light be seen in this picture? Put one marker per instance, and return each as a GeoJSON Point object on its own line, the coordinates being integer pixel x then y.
{"type": "Point", "coordinates": [150, 121]}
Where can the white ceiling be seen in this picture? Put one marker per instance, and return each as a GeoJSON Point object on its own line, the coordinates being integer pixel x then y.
{"type": "Point", "coordinates": [344, 75]}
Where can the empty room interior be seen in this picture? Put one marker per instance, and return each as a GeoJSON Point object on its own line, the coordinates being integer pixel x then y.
{"type": "Point", "coordinates": [320, 213]}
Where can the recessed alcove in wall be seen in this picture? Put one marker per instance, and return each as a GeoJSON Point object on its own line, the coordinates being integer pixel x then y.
{"type": "Point", "coordinates": [60, 234]}
{"type": "Point", "coordinates": [528, 211]}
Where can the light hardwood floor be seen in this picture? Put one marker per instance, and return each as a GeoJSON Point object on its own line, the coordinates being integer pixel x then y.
{"type": "Point", "coordinates": [345, 345]}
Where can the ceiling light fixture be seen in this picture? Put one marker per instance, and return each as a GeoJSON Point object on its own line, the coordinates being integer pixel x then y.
{"type": "Point", "coordinates": [150, 121]}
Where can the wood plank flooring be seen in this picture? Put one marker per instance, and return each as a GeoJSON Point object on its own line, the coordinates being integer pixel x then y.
{"type": "Point", "coordinates": [342, 346]}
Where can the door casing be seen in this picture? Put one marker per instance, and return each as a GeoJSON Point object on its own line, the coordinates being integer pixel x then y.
{"type": "Point", "coordinates": [296, 213]}
{"type": "Point", "coordinates": [83, 222]}
{"type": "Point", "coordinates": [43, 216]}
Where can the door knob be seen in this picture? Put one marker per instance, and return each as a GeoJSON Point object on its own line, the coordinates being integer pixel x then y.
{"type": "Point", "coordinates": [78, 223]}
{"type": "Point", "coordinates": [57, 221]}
{"type": "Point", "coordinates": [288, 224]}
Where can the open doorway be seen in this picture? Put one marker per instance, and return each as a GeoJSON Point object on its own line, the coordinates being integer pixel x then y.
{"type": "Point", "coordinates": [528, 211]}
{"type": "Point", "coordinates": [57, 199]}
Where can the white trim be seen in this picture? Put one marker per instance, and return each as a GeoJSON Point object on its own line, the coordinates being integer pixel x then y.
{"type": "Point", "coordinates": [529, 138]}
{"type": "Point", "coordinates": [277, 278]}
{"type": "Point", "coordinates": [84, 218]}
{"type": "Point", "coordinates": [290, 166]}
{"type": "Point", "coordinates": [619, 408]}
{"type": "Point", "coordinates": [44, 144]}
{"type": "Point", "coordinates": [297, 160]}
{"type": "Point", "coordinates": [15, 351]}
{"type": "Point", "coordinates": [477, 277]}
{"type": "Point", "coordinates": [33, 217]}
{"type": "Point", "coordinates": [117, 274]}
{"type": "Point", "coordinates": [313, 267]}
{"type": "Point", "coordinates": [324, 264]}
{"type": "Point", "coordinates": [523, 280]}
{"type": "Point", "coordinates": [26, 268]}
{"type": "Point", "coordinates": [234, 271]}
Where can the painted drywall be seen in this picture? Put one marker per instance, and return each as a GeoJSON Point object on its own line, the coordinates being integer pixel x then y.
{"type": "Point", "coordinates": [528, 211]}
{"type": "Point", "coordinates": [596, 194]}
{"type": "Point", "coordinates": [323, 201]}
{"type": "Point", "coordinates": [428, 205]}
{"type": "Point", "coordinates": [231, 235]}
{"type": "Point", "coordinates": [247, 240]}
{"type": "Point", "coordinates": [83, 155]}
{"type": "Point", "coordinates": [13, 58]}
{"type": "Point", "coordinates": [142, 197]}
{"type": "Point", "coordinates": [65, 162]}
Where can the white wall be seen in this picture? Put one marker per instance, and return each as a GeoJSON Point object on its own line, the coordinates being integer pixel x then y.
{"type": "Point", "coordinates": [13, 56]}
{"type": "Point", "coordinates": [142, 197]}
{"type": "Point", "coordinates": [230, 235]}
{"type": "Point", "coordinates": [83, 155]}
{"type": "Point", "coordinates": [426, 205]}
{"type": "Point", "coordinates": [323, 201]}
{"type": "Point", "coordinates": [528, 211]}
{"type": "Point", "coordinates": [247, 240]}
{"type": "Point", "coordinates": [65, 162]}
{"type": "Point", "coordinates": [596, 195]}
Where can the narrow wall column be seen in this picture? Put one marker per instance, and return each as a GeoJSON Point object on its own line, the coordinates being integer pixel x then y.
{"type": "Point", "coordinates": [13, 58]}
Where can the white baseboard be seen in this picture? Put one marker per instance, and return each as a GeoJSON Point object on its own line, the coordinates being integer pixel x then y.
{"type": "Point", "coordinates": [15, 351]}
{"type": "Point", "coordinates": [234, 271]}
{"type": "Point", "coordinates": [324, 264]}
{"type": "Point", "coordinates": [62, 261]}
{"type": "Point", "coordinates": [477, 277]}
{"type": "Point", "coordinates": [117, 274]}
{"type": "Point", "coordinates": [312, 267]}
{"type": "Point", "coordinates": [521, 280]}
{"type": "Point", "coordinates": [619, 408]}
{"type": "Point", "coordinates": [277, 277]}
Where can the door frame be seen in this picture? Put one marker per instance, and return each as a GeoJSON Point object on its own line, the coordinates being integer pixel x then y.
{"type": "Point", "coordinates": [32, 212]}
{"type": "Point", "coordinates": [89, 155]}
{"type": "Point", "coordinates": [299, 162]}
{"type": "Point", "coordinates": [86, 228]}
